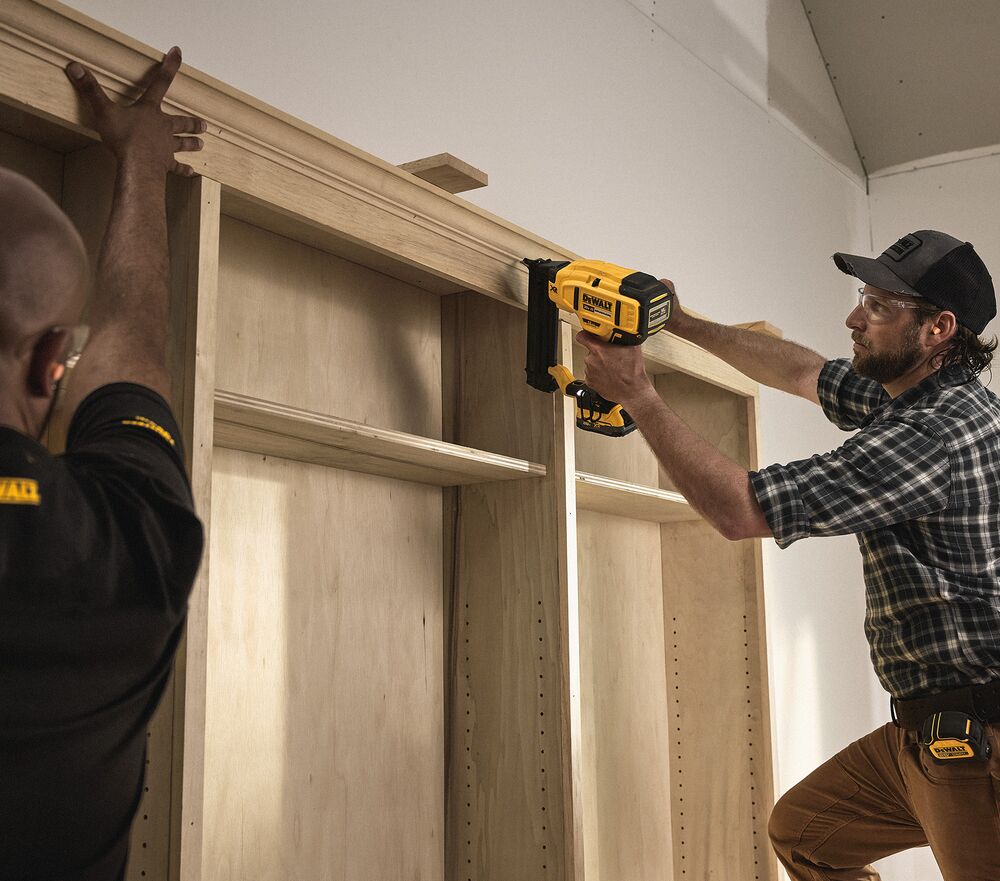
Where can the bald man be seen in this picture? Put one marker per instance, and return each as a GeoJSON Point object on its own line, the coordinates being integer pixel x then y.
{"type": "Point", "coordinates": [98, 547]}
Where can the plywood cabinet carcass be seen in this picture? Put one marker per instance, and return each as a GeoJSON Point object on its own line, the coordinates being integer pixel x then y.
{"type": "Point", "coordinates": [439, 633]}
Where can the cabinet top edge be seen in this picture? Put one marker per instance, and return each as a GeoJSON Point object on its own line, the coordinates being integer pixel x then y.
{"type": "Point", "coordinates": [282, 162]}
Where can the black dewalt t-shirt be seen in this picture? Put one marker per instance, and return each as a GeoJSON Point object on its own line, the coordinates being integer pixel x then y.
{"type": "Point", "coordinates": [98, 552]}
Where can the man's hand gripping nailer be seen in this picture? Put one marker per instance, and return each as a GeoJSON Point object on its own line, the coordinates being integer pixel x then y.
{"type": "Point", "coordinates": [617, 305]}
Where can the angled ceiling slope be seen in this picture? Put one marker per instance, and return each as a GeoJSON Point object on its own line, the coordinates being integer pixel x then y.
{"type": "Point", "coordinates": [916, 78]}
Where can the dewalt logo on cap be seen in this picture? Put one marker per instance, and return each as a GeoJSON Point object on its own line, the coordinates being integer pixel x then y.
{"type": "Point", "coordinates": [19, 491]}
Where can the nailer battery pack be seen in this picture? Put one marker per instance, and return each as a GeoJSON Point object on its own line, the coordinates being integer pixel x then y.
{"type": "Point", "coordinates": [951, 736]}
{"type": "Point", "coordinates": [616, 304]}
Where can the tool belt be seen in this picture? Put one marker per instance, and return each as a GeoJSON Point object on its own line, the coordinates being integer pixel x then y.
{"type": "Point", "coordinates": [950, 725]}
{"type": "Point", "coordinates": [982, 702]}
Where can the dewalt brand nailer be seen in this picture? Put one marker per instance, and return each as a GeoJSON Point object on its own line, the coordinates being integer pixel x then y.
{"type": "Point", "coordinates": [617, 305]}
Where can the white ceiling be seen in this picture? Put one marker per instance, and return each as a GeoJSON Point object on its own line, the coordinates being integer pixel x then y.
{"type": "Point", "coordinates": [915, 78]}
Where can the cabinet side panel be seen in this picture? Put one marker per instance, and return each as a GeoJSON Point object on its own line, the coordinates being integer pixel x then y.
{"type": "Point", "coordinates": [716, 667]}
{"type": "Point", "coordinates": [194, 227]}
{"type": "Point", "coordinates": [626, 740]}
{"type": "Point", "coordinates": [324, 725]}
{"type": "Point", "coordinates": [510, 792]}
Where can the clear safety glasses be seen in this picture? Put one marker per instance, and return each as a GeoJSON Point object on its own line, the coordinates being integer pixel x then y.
{"type": "Point", "coordinates": [879, 309]}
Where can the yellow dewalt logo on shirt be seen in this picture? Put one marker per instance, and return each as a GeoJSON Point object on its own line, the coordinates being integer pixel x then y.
{"type": "Point", "coordinates": [145, 422]}
{"type": "Point", "coordinates": [19, 491]}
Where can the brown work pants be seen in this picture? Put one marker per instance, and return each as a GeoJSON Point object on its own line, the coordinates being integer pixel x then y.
{"type": "Point", "coordinates": [884, 794]}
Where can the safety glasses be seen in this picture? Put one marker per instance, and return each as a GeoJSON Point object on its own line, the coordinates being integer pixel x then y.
{"type": "Point", "coordinates": [879, 309]}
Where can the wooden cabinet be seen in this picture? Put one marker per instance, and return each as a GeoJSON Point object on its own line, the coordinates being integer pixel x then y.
{"type": "Point", "coordinates": [438, 633]}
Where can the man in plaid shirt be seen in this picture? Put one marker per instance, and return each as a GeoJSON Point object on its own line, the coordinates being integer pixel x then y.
{"type": "Point", "coordinates": [919, 485]}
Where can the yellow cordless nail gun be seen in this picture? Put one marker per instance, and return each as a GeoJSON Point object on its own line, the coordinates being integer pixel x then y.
{"type": "Point", "coordinates": [617, 305]}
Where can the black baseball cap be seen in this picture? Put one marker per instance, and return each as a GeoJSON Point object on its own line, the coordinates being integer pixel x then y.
{"type": "Point", "coordinates": [935, 266]}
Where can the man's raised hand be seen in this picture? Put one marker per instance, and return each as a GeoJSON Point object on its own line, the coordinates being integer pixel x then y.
{"type": "Point", "coordinates": [141, 133]}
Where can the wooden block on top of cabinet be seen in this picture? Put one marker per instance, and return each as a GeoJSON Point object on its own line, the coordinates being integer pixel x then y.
{"type": "Point", "coordinates": [609, 496]}
{"type": "Point", "coordinates": [447, 172]}
{"type": "Point", "coordinates": [252, 425]}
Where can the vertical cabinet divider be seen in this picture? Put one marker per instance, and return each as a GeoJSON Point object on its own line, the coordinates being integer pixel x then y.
{"type": "Point", "coordinates": [194, 230]}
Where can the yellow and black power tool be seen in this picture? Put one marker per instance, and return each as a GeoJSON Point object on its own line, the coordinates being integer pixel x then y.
{"type": "Point", "coordinates": [617, 305]}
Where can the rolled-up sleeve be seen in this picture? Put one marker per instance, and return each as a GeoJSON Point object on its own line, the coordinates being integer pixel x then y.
{"type": "Point", "coordinates": [845, 397]}
{"type": "Point", "coordinates": [892, 472]}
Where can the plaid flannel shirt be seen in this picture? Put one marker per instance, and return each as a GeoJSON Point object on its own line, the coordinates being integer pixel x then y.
{"type": "Point", "coordinates": [919, 485]}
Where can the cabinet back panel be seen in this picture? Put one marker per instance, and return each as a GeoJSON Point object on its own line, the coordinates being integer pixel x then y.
{"type": "Point", "coordinates": [324, 722]}
{"type": "Point", "coordinates": [305, 328]}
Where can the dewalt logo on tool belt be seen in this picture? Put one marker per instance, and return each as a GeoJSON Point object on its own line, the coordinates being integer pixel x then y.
{"type": "Point", "coordinates": [952, 751]}
{"type": "Point", "coordinates": [19, 491]}
{"type": "Point", "coordinates": [146, 422]}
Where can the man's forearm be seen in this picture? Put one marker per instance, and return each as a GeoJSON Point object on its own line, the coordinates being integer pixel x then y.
{"type": "Point", "coordinates": [774, 362]}
{"type": "Point", "coordinates": [132, 286]}
{"type": "Point", "coordinates": [714, 485]}
{"type": "Point", "coordinates": [130, 307]}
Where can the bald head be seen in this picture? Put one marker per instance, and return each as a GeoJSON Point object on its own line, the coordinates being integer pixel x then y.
{"type": "Point", "coordinates": [43, 264]}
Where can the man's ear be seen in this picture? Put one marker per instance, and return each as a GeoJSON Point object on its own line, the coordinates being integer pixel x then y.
{"type": "Point", "coordinates": [46, 368]}
{"type": "Point", "coordinates": [943, 327]}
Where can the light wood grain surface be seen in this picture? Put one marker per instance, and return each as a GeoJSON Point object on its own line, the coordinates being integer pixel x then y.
{"type": "Point", "coordinates": [626, 742]}
{"type": "Point", "coordinates": [716, 667]}
{"type": "Point", "coordinates": [324, 726]}
{"type": "Point", "coordinates": [595, 492]}
{"type": "Point", "coordinates": [244, 423]}
{"type": "Point", "coordinates": [509, 802]}
{"type": "Point", "coordinates": [448, 172]}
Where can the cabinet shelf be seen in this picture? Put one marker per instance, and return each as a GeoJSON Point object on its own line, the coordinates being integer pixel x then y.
{"type": "Point", "coordinates": [609, 496]}
{"type": "Point", "coordinates": [269, 428]}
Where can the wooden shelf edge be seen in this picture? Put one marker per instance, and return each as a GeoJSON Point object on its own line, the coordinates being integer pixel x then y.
{"type": "Point", "coordinates": [609, 496]}
{"type": "Point", "coordinates": [257, 426]}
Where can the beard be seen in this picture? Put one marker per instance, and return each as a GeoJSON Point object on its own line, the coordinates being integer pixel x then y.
{"type": "Point", "coordinates": [888, 366]}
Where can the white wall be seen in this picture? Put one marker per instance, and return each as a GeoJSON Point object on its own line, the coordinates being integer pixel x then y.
{"type": "Point", "coordinates": [694, 139]}
{"type": "Point", "coordinates": [958, 194]}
